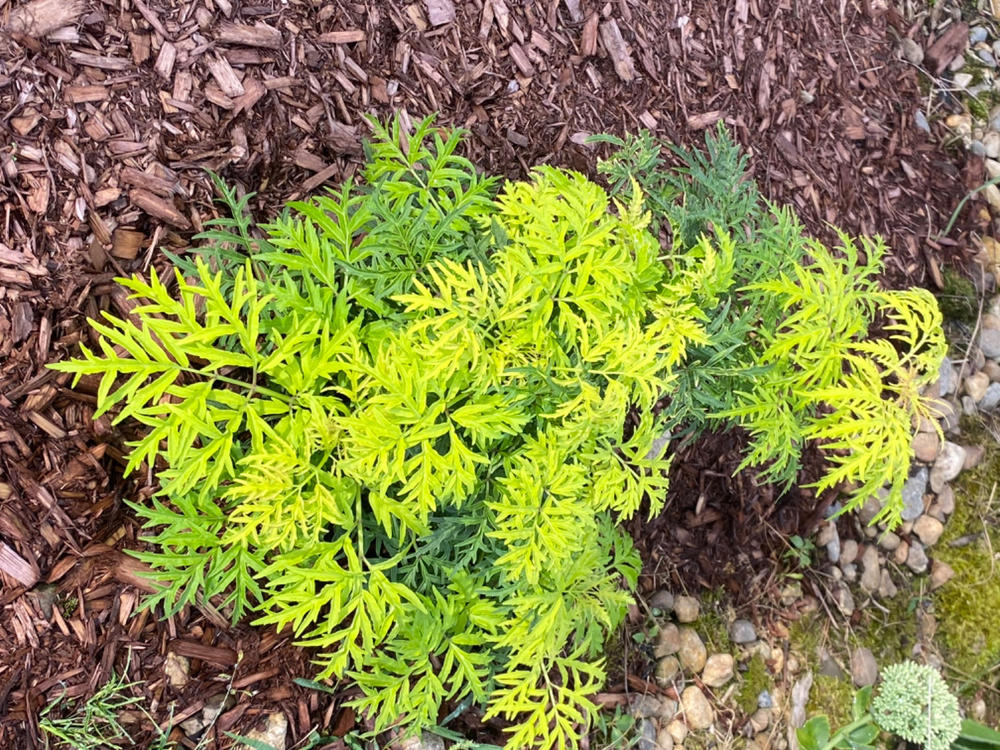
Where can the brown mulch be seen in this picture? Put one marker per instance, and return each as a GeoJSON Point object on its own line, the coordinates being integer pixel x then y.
{"type": "Point", "coordinates": [112, 111]}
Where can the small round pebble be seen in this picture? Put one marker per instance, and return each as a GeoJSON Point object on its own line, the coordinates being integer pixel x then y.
{"type": "Point", "coordinates": [928, 529]}
{"type": "Point", "coordinates": [742, 631]}
{"type": "Point", "coordinates": [718, 670]}
{"type": "Point", "coordinates": [686, 608]}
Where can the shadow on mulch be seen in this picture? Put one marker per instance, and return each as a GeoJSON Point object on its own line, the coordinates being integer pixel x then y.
{"type": "Point", "coordinates": [721, 529]}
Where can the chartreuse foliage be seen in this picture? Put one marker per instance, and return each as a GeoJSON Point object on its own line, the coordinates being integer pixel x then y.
{"type": "Point", "coordinates": [790, 356]}
{"type": "Point", "coordinates": [406, 421]}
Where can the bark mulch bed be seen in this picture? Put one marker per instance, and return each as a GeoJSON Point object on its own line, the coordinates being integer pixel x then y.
{"type": "Point", "coordinates": [112, 111]}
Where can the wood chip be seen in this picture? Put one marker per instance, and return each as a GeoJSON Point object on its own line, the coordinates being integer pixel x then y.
{"type": "Point", "coordinates": [126, 243]}
{"type": "Point", "coordinates": [103, 62]}
{"type": "Point", "coordinates": [15, 566]}
{"type": "Point", "coordinates": [225, 76]}
{"type": "Point", "coordinates": [347, 36]}
{"type": "Point", "coordinates": [521, 60]}
{"type": "Point", "coordinates": [947, 47]}
{"type": "Point", "coordinates": [225, 657]}
{"type": "Point", "coordinates": [258, 35]}
{"type": "Point", "coordinates": [159, 207]}
{"type": "Point", "coordinates": [153, 183]}
{"type": "Point", "coordinates": [617, 49]}
{"type": "Point", "coordinates": [165, 60]}
{"type": "Point", "coordinates": [588, 41]}
{"type": "Point", "coordinates": [704, 120]}
{"type": "Point", "coordinates": [39, 17]}
{"type": "Point", "coordinates": [81, 94]}
{"type": "Point", "coordinates": [440, 12]}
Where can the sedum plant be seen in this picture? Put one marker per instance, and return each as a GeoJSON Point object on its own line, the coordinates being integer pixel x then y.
{"type": "Point", "coordinates": [406, 422]}
{"type": "Point", "coordinates": [913, 702]}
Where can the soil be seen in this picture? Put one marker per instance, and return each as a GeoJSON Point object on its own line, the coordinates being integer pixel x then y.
{"type": "Point", "coordinates": [113, 111]}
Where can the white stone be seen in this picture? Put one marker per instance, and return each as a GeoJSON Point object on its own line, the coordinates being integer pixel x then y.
{"type": "Point", "coordinates": [991, 142]}
{"type": "Point", "coordinates": [277, 727]}
{"type": "Point", "coordinates": [177, 669]}
{"type": "Point", "coordinates": [976, 384]}
{"type": "Point", "coordinates": [928, 529]}
{"type": "Point", "coordinates": [686, 608]}
{"type": "Point", "coordinates": [947, 466]}
{"type": "Point", "coordinates": [692, 654]}
{"type": "Point", "coordinates": [718, 670]}
{"type": "Point", "coordinates": [678, 730]}
{"type": "Point", "coordinates": [848, 552]}
{"type": "Point", "coordinates": [698, 712]}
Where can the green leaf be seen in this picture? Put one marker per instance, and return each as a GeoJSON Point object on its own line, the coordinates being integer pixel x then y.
{"type": "Point", "coordinates": [814, 734]}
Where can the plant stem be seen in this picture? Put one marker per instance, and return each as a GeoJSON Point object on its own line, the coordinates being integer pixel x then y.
{"type": "Point", "coordinates": [846, 730]}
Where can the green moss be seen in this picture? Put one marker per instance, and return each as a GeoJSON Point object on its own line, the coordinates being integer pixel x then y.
{"type": "Point", "coordinates": [755, 680]}
{"type": "Point", "coordinates": [832, 697]}
{"type": "Point", "coordinates": [958, 298]}
{"type": "Point", "coordinates": [977, 108]}
{"type": "Point", "coordinates": [891, 634]}
{"type": "Point", "coordinates": [966, 607]}
{"type": "Point", "coordinates": [713, 621]}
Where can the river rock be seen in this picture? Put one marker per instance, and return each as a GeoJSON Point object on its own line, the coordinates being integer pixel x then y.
{"type": "Point", "coordinates": [926, 446]}
{"type": "Point", "coordinates": [864, 668]}
{"type": "Point", "coordinates": [678, 731]}
{"type": "Point", "coordinates": [992, 396]}
{"type": "Point", "coordinates": [946, 500]}
{"type": "Point", "coordinates": [668, 641]}
{"type": "Point", "coordinates": [871, 573]}
{"type": "Point", "coordinates": [989, 342]}
{"type": "Point", "coordinates": [975, 385]}
{"type": "Point", "coordinates": [844, 599]}
{"type": "Point", "coordinates": [718, 670]}
{"type": "Point", "coordinates": [928, 529]}
{"type": "Point", "coordinates": [177, 669]}
{"type": "Point", "coordinates": [973, 455]}
{"type": "Point", "coordinates": [647, 735]}
{"type": "Point", "coordinates": [698, 712]}
{"type": "Point", "coordinates": [913, 493]}
{"type": "Point", "coordinates": [667, 669]}
{"type": "Point", "coordinates": [947, 466]}
{"type": "Point", "coordinates": [916, 558]}
{"type": "Point", "coordinates": [886, 586]}
{"type": "Point", "coordinates": [829, 538]}
{"type": "Point", "coordinates": [662, 600]}
{"type": "Point", "coordinates": [901, 552]}
{"type": "Point", "coordinates": [664, 741]}
{"type": "Point", "coordinates": [692, 653]}
{"type": "Point", "coordinates": [848, 551]}
{"type": "Point", "coordinates": [742, 631]}
{"type": "Point", "coordinates": [911, 51]}
{"type": "Point", "coordinates": [686, 608]}
{"type": "Point", "coordinates": [644, 706]}
{"type": "Point", "coordinates": [888, 541]}
{"type": "Point", "coordinates": [941, 573]}
{"type": "Point", "coordinates": [273, 735]}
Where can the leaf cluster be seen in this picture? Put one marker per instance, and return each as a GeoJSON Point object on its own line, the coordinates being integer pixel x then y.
{"type": "Point", "coordinates": [398, 427]}
{"type": "Point", "coordinates": [792, 353]}
{"type": "Point", "coordinates": [405, 421]}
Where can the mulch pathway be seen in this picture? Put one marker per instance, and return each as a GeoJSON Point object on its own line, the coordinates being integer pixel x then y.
{"type": "Point", "coordinates": [111, 113]}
